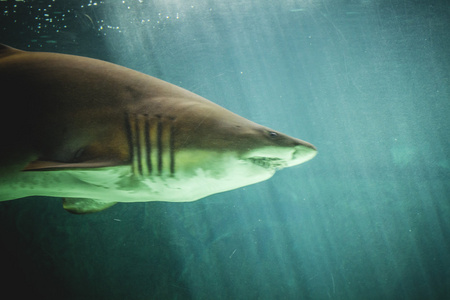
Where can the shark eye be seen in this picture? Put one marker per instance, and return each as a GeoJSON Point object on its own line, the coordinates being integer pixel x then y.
{"type": "Point", "coordinates": [273, 134]}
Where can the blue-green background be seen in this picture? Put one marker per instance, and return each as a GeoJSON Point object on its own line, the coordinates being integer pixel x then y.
{"type": "Point", "coordinates": [365, 81]}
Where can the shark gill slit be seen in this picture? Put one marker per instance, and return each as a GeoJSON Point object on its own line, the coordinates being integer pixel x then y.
{"type": "Point", "coordinates": [148, 144]}
{"type": "Point", "coordinates": [138, 145]}
{"type": "Point", "coordinates": [172, 148]}
{"type": "Point", "coordinates": [144, 145]}
{"type": "Point", "coordinates": [159, 132]}
{"type": "Point", "coordinates": [131, 137]}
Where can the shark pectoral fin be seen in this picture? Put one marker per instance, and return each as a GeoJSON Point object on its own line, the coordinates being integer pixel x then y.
{"type": "Point", "coordinates": [40, 165]}
{"type": "Point", "coordinates": [85, 205]}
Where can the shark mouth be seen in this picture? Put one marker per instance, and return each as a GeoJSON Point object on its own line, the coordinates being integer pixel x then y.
{"type": "Point", "coordinates": [268, 162]}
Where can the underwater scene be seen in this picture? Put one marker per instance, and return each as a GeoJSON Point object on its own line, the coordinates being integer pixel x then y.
{"type": "Point", "coordinates": [365, 82]}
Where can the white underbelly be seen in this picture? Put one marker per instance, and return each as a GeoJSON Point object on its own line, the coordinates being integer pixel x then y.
{"type": "Point", "coordinates": [118, 184]}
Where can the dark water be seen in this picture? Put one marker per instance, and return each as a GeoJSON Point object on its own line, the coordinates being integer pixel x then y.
{"type": "Point", "coordinates": [366, 81]}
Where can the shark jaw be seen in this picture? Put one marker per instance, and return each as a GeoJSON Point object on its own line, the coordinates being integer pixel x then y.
{"type": "Point", "coordinates": [278, 158]}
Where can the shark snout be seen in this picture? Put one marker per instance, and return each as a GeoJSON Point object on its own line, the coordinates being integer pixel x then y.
{"type": "Point", "coordinates": [306, 144]}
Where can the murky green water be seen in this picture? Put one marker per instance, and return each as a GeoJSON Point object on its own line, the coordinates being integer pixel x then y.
{"type": "Point", "coordinates": [367, 82]}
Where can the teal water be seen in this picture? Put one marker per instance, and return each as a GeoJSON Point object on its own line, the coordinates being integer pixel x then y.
{"type": "Point", "coordinates": [367, 82]}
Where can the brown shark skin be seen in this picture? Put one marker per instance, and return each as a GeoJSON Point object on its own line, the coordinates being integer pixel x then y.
{"type": "Point", "coordinates": [72, 109]}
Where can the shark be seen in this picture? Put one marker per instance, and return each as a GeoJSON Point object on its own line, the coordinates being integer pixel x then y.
{"type": "Point", "coordinates": [95, 133]}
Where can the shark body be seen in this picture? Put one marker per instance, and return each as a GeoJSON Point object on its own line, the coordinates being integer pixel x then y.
{"type": "Point", "coordinates": [96, 133]}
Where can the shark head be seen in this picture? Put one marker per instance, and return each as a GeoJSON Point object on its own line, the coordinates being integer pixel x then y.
{"type": "Point", "coordinates": [206, 149]}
